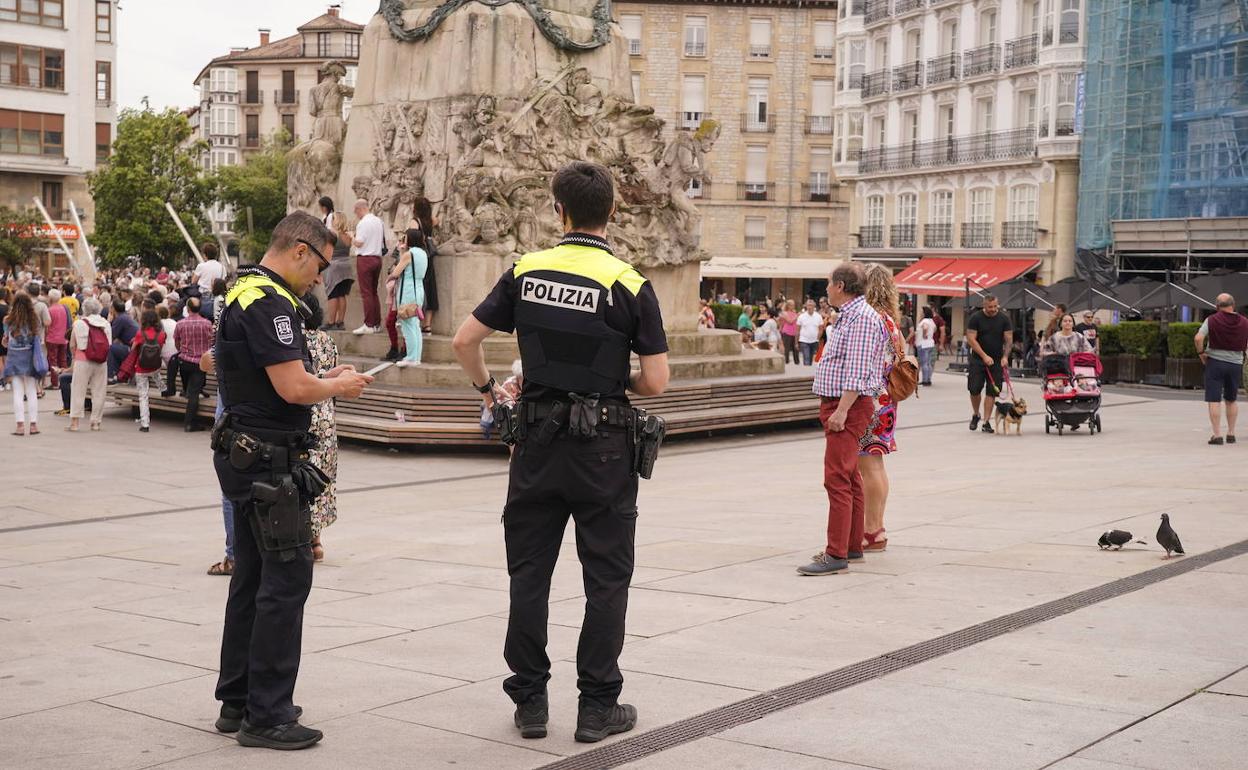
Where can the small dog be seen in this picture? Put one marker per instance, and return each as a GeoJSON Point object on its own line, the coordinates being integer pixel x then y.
{"type": "Point", "coordinates": [1010, 413]}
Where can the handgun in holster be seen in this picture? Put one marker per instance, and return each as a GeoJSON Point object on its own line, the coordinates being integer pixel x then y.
{"type": "Point", "coordinates": [280, 522]}
{"type": "Point", "coordinates": [648, 433]}
{"type": "Point", "coordinates": [508, 420]}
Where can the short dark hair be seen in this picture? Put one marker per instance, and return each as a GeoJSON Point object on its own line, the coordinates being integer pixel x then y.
{"type": "Point", "coordinates": [299, 226]}
{"type": "Point", "coordinates": [149, 319]}
{"type": "Point", "coordinates": [851, 275]}
{"type": "Point", "coordinates": [209, 250]}
{"type": "Point", "coordinates": [585, 192]}
{"type": "Point", "coordinates": [326, 203]}
{"type": "Point", "coordinates": [990, 298]}
{"type": "Point", "coordinates": [119, 306]}
{"type": "Point", "coordinates": [193, 304]}
{"type": "Point", "coordinates": [316, 314]}
{"type": "Point", "coordinates": [67, 289]}
{"type": "Point", "coordinates": [927, 311]}
{"type": "Point", "coordinates": [218, 287]}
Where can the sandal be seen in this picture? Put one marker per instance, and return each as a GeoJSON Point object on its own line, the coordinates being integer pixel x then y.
{"type": "Point", "coordinates": [874, 541]}
{"type": "Point", "coordinates": [95, 426]}
{"type": "Point", "coordinates": [223, 567]}
{"type": "Point", "coordinates": [1215, 441]}
{"type": "Point", "coordinates": [34, 430]}
{"type": "Point", "coordinates": [1230, 438]}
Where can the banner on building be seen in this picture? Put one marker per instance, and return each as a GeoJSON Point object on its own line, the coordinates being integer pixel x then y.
{"type": "Point", "coordinates": [44, 232]}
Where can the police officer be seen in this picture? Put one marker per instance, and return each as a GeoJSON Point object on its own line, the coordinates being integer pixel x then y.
{"type": "Point", "coordinates": [260, 452]}
{"type": "Point", "coordinates": [577, 312]}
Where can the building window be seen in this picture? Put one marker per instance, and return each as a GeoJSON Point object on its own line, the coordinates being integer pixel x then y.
{"type": "Point", "coordinates": [1019, 231]}
{"type": "Point", "coordinates": [636, 83]}
{"type": "Point", "coordinates": [988, 28]}
{"type": "Point", "coordinates": [287, 95]}
{"type": "Point", "coordinates": [222, 158]}
{"type": "Point", "coordinates": [938, 232]}
{"type": "Point", "coordinates": [695, 36]}
{"type": "Point", "coordinates": [1046, 101]}
{"type": "Point", "coordinates": [825, 35]}
{"type": "Point", "coordinates": [103, 20]}
{"type": "Point", "coordinates": [757, 117]}
{"type": "Point", "coordinates": [821, 106]}
{"type": "Point", "coordinates": [630, 23]}
{"type": "Point", "coordinates": [907, 208]}
{"type": "Point", "coordinates": [755, 172]}
{"type": "Point", "coordinates": [322, 44]}
{"type": "Point", "coordinates": [348, 80]}
{"type": "Point", "coordinates": [103, 82]}
{"type": "Point", "coordinates": [353, 45]}
{"type": "Point", "coordinates": [941, 208]}
{"type": "Point", "coordinates": [1026, 101]}
{"type": "Point", "coordinates": [288, 124]}
{"type": "Point", "coordinates": [31, 67]}
{"type": "Point", "coordinates": [755, 232]}
{"type": "Point", "coordinates": [224, 121]}
{"type": "Point", "coordinates": [817, 234]}
{"type": "Point", "coordinates": [853, 137]}
{"type": "Point", "coordinates": [1067, 86]}
{"type": "Point", "coordinates": [49, 13]}
{"type": "Point", "coordinates": [981, 205]}
{"type": "Point", "coordinates": [949, 37]}
{"type": "Point", "coordinates": [871, 234]}
{"type": "Point", "coordinates": [32, 133]}
{"type": "Point", "coordinates": [693, 101]}
{"type": "Point", "coordinates": [224, 80]}
{"type": "Point", "coordinates": [253, 131]}
{"type": "Point", "coordinates": [760, 38]}
{"type": "Point", "coordinates": [820, 175]}
{"type": "Point", "coordinates": [103, 142]}
{"type": "Point", "coordinates": [1068, 29]}
{"type": "Point", "coordinates": [879, 130]}
{"type": "Point", "coordinates": [985, 115]}
{"type": "Point", "coordinates": [977, 228]}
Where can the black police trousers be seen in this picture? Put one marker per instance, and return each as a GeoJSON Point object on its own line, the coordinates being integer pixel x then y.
{"type": "Point", "coordinates": [591, 481]}
{"type": "Point", "coordinates": [260, 646]}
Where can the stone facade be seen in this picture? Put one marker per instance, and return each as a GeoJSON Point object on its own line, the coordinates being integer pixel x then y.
{"type": "Point", "coordinates": [749, 53]}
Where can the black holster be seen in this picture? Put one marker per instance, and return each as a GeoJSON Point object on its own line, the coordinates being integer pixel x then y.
{"type": "Point", "coordinates": [648, 433]}
{"type": "Point", "coordinates": [281, 523]}
{"type": "Point", "coordinates": [509, 421]}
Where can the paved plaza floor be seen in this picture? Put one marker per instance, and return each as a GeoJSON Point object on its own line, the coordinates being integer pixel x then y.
{"type": "Point", "coordinates": [109, 628]}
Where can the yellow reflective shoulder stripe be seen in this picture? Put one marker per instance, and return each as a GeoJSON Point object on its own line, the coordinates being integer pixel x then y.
{"type": "Point", "coordinates": [587, 261]}
{"type": "Point", "coordinates": [251, 288]}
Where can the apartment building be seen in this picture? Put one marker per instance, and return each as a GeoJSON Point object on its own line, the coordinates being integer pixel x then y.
{"type": "Point", "coordinates": [58, 63]}
{"type": "Point", "coordinates": [248, 94]}
{"type": "Point", "coordinates": [773, 212]}
{"type": "Point", "coordinates": [957, 123]}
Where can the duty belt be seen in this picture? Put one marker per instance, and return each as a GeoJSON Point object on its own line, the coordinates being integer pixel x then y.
{"type": "Point", "coordinates": [618, 415]}
{"type": "Point", "coordinates": [248, 447]}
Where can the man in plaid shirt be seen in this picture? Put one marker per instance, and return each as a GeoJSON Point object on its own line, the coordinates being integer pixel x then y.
{"type": "Point", "coordinates": [193, 336]}
{"type": "Point", "coordinates": [852, 366]}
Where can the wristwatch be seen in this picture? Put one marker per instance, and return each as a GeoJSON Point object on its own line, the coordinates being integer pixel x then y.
{"type": "Point", "coordinates": [486, 388]}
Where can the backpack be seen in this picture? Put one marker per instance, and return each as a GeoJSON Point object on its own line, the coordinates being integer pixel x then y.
{"type": "Point", "coordinates": [97, 345]}
{"type": "Point", "coordinates": [149, 352]}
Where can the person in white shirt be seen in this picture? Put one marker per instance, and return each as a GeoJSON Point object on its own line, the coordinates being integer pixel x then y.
{"type": "Point", "coordinates": [370, 241]}
{"type": "Point", "coordinates": [767, 335]}
{"type": "Point", "coordinates": [925, 346]}
{"type": "Point", "coordinates": [808, 323]}
{"type": "Point", "coordinates": [209, 270]}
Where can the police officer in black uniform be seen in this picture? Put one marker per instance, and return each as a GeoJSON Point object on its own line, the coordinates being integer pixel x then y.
{"type": "Point", "coordinates": [260, 453]}
{"type": "Point", "coordinates": [577, 312]}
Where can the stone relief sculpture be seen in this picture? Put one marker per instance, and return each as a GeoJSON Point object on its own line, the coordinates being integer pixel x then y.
{"type": "Point", "coordinates": [392, 11]}
{"type": "Point", "coordinates": [312, 167]}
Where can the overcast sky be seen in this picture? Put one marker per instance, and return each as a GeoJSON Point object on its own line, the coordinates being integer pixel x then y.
{"type": "Point", "coordinates": [162, 50]}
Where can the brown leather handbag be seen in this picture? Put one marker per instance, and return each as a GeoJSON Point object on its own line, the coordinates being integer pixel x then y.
{"type": "Point", "coordinates": [903, 378]}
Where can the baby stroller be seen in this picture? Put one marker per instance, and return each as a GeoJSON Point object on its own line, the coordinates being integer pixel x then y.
{"type": "Point", "coordinates": [1072, 392]}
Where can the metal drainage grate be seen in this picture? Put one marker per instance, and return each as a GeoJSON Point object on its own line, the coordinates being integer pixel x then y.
{"type": "Point", "coordinates": [758, 706]}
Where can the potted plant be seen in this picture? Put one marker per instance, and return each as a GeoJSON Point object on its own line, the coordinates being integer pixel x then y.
{"type": "Point", "coordinates": [1139, 340]}
{"type": "Point", "coordinates": [726, 315]}
{"type": "Point", "coordinates": [1183, 368]}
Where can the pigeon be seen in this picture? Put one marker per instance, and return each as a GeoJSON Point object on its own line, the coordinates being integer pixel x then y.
{"type": "Point", "coordinates": [1167, 538]}
{"type": "Point", "coordinates": [1117, 538]}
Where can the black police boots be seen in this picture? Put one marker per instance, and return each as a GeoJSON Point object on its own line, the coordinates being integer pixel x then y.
{"type": "Point", "coordinates": [287, 737]}
{"type": "Point", "coordinates": [231, 717]}
{"type": "Point", "coordinates": [593, 723]}
{"type": "Point", "coordinates": [531, 717]}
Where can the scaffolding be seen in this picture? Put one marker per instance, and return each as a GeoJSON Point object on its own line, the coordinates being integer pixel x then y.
{"type": "Point", "coordinates": [1165, 114]}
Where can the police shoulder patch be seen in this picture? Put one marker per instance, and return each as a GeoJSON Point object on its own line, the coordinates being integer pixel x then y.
{"type": "Point", "coordinates": [285, 331]}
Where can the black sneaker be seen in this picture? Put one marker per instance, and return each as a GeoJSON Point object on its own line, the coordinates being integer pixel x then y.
{"type": "Point", "coordinates": [593, 723]}
{"type": "Point", "coordinates": [231, 717]}
{"type": "Point", "coordinates": [288, 737]}
{"type": "Point", "coordinates": [987, 427]}
{"type": "Point", "coordinates": [532, 716]}
{"type": "Point", "coordinates": [392, 354]}
{"type": "Point", "coordinates": [974, 422]}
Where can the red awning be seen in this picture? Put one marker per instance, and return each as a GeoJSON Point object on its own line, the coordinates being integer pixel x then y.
{"type": "Point", "coordinates": [947, 277]}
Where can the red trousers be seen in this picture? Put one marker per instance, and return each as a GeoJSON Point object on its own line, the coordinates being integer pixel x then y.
{"type": "Point", "coordinates": [841, 478]}
{"type": "Point", "coordinates": [58, 358]}
{"type": "Point", "coordinates": [367, 269]}
{"type": "Point", "coordinates": [392, 327]}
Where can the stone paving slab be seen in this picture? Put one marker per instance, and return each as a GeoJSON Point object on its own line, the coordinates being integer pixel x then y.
{"type": "Point", "coordinates": [1206, 730]}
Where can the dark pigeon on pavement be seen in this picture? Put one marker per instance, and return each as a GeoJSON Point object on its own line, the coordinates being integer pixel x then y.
{"type": "Point", "coordinates": [1117, 538]}
{"type": "Point", "coordinates": [1167, 538]}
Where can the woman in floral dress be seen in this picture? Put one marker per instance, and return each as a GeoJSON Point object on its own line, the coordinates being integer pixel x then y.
{"type": "Point", "coordinates": [881, 294]}
{"type": "Point", "coordinates": [324, 356]}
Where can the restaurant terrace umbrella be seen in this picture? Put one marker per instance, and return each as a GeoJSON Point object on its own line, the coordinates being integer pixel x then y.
{"type": "Point", "coordinates": [1171, 294]}
{"type": "Point", "coordinates": [1208, 287]}
{"type": "Point", "coordinates": [1077, 293]}
{"type": "Point", "coordinates": [1017, 294]}
{"type": "Point", "coordinates": [1134, 290]}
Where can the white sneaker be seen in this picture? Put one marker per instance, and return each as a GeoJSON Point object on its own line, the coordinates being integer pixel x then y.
{"type": "Point", "coordinates": [401, 363]}
{"type": "Point", "coordinates": [366, 329]}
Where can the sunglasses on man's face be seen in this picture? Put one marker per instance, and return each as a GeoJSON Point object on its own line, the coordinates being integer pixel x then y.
{"type": "Point", "coordinates": [324, 262]}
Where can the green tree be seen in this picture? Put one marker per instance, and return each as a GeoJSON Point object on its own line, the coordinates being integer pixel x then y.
{"type": "Point", "coordinates": [258, 184]}
{"type": "Point", "coordinates": [19, 243]}
{"type": "Point", "coordinates": [154, 161]}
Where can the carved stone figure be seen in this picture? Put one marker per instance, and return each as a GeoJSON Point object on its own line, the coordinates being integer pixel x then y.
{"type": "Point", "coordinates": [312, 167]}
{"type": "Point", "coordinates": [682, 164]}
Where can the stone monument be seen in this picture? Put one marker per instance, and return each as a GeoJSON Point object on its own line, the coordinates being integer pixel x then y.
{"type": "Point", "coordinates": [474, 104]}
{"type": "Point", "coordinates": [312, 167]}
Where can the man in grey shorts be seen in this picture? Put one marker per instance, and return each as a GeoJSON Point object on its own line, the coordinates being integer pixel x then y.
{"type": "Point", "coordinates": [1226, 333]}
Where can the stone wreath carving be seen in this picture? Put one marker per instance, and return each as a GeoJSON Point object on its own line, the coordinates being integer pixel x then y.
{"type": "Point", "coordinates": [392, 12]}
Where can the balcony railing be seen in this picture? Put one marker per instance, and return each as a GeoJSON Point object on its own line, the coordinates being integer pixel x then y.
{"type": "Point", "coordinates": [816, 244]}
{"type": "Point", "coordinates": [938, 236]}
{"type": "Point", "coordinates": [1022, 51]}
{"type": "Point", "coordinates": [950, 151]}
{"type": "Point", "coordinates": [755, 242]}
{"type": "Point", "coordinates": [691, 120]}
{"type": "Point", "coordinates": [875, 83]}
{"type": "Point", "coordinates": [977, 235]}
{"type": "Point", "coordinates": [877, 10]}
{"type": "Point", "coordinates": [825, 53]}
{"type": "Point", "coordinates": [901, 236]}
{"type": "Point", "coordinates": [906, 6]}
{"type": "Point", "coordinates": [1068, 32]}
{"type": "Point", "coordinates": [695, 49]}
{"type": "Point", "coordinates": [756, 191]}
{"type": "Point", "coordinates": [943, 68]}
{"type": "Point", "coordinates": [855, 80]}
{"type": "Point", "coordinates": [251, 141]}
{"type": "Point", "coordinates": [760, 51]}
{"type": "Point", "coordinates": [981, 61]}
{"type": "Point", "coordinates": [1064, 127]}
{"type": "Point", "coordinates": [908, 77]}
{"type": "Point", "coordinates": [285, 97]}
{"type": "Point", "coordinates": [223, 140]}
{"type": "Point", "coordinates": [819, 124]}
{"type": "Point", "coordinates": [1018, 234]}
{"type": "Point", "coordinates": [752, 123]}
{"type": "Point", "coordinates": [698, 190]}
{"type": "Point", "coordinates": [817, 192]}
{"type": "Point", "coordinates": [871, 237]}
{"type": "Point", "coordinates": [634, 47]}
{"type": "Point", "coordinates": [253, 98]}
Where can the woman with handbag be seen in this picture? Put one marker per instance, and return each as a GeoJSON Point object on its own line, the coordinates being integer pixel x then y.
{"type": "Point", "coordinates": [422, 209]}
{"type": "Point", "coordinates": [878, 442]}
{"type": "Point", "coordinates": [27, 362]}
{"type": "Point", "coordinates": [410, 294]}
